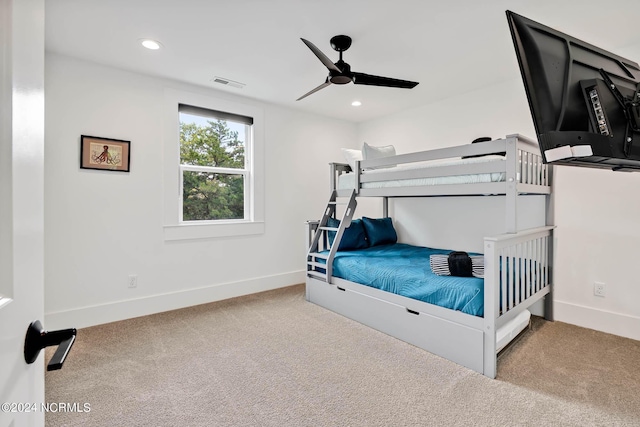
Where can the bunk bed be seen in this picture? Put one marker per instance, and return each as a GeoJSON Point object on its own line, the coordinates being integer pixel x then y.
{"type": "Point", "coordinates": [517, 264]}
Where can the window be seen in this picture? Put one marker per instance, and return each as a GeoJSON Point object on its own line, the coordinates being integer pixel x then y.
{"type": "Point", "coordinates": [214, 165]}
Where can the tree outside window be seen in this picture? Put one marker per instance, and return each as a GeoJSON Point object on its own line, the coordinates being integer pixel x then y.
{"type": "Point", "coordinates": [213, 164]}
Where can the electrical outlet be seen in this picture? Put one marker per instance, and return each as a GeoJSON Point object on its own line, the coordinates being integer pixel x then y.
{"type": "Point", "coordinates": [133, 280]}
{"type": "Point", "coordinates": [598, 289]}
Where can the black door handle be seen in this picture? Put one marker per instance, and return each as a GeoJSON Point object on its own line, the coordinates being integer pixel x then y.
{"type": "Point", "coordinates": [37, 339]}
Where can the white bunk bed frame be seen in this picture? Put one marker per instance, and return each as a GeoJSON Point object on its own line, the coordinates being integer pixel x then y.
{"type": "Point", "coordinates": [462, 338]}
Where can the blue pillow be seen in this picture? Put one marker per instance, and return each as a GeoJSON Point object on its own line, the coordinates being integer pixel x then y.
{"type": "Point", "coordinates": [353, 237]}
{"type": "Point", "coordinates": [379, 231]}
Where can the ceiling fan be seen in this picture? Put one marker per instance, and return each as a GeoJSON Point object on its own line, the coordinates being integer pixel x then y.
{"type": "Point", "coordinates": [340, 72]}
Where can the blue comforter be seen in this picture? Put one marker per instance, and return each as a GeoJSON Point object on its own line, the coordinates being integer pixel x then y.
{"type": "Point", "coordinates": [404, 270]}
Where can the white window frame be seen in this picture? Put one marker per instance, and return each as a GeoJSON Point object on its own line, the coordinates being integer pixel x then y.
{"type": "Point", "coordinates": [245, 172]}
{"type": "Point", "coordinates": [253, 223]}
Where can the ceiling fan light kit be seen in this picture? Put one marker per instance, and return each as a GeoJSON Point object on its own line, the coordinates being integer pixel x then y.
{"type": "Point", "coordinates": [340, 72]}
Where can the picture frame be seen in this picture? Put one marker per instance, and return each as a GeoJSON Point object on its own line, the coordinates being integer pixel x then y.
{"type": "Point", "coordinates": [105, 153]}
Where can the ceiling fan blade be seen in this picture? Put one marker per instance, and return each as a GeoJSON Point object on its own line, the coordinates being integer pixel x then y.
{"type": "Point", "coordinates": [321, 56]}
{"type": "Point", "coordinates": [368, 79]}
{"type": "Point", "coordinates": [322, 86]}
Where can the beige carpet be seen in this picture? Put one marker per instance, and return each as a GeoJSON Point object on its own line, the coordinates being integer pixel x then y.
{"type": "Point", "coordinates": [273, 359]}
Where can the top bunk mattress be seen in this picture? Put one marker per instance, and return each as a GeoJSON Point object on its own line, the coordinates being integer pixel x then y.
{"type": "Point", "coordinates": [347, 180]}
{"type": "Point", "coordinates": [404, 270]}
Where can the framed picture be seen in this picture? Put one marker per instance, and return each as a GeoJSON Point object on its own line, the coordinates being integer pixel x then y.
{"type": "Point", "coordinates": [104, 153]}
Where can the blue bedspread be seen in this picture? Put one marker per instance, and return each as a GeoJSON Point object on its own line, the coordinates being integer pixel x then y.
{"type": "Point", "coordinates": [404, 270]}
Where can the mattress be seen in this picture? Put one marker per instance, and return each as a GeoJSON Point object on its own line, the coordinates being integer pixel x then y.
{"type": "Point", "coordinates": [404, 270]}
{"type": "Point", "coordinates": [347, 180]}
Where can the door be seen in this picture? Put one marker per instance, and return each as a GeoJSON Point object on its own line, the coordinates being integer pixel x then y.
{"type": "Point", "coordinates": [21, 208]}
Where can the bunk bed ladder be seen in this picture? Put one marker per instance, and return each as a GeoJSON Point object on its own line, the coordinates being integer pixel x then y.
{"type": "Point", "coordinates": [321, 237]}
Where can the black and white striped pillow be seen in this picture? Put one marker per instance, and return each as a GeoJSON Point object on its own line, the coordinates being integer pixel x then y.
{"type": "Point", "coordinates": [450, 265]}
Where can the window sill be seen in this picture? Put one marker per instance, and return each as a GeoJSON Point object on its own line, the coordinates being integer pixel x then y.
{"type": "Point", "coordinates": [208, 231]}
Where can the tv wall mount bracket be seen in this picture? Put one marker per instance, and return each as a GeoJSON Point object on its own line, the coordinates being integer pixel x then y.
{"type": "Point", "coordinates": [630, 107]}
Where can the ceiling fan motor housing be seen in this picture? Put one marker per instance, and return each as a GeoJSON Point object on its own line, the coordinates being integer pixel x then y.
{"type": "Point", "coordinates": [343, 77]}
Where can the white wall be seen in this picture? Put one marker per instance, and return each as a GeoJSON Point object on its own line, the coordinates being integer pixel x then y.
{"type": "Point", "coordinates": [597, 212]}
{"type": "Point", "coordinates": [103, 226]}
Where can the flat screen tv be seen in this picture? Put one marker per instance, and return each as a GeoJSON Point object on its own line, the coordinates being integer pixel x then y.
{"type": "Point", "coordinates": [585, 101]}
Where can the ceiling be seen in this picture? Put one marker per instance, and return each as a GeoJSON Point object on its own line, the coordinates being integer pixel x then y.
{"type": "Point", "coordinates": [450, 47]}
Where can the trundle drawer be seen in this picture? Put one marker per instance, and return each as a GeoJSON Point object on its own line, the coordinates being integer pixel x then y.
{"type": "Point", "coordinates": [458, 343]}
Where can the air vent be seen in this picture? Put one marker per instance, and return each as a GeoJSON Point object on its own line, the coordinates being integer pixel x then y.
{"type": "Point", "coordinates": [227, 82]}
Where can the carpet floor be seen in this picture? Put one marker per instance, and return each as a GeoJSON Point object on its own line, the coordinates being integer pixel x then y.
{"type": "Point", "coordinates": [274, 359]}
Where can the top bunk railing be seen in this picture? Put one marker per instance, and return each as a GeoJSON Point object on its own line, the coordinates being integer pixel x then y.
{"type": "Point", "coordinates": [522, 171]}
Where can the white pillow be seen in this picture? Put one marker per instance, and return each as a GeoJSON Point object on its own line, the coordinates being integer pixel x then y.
{"type": "Point", "coordinates": [369, 152]}
{"type": "Point", "coordinates": [351, 156]}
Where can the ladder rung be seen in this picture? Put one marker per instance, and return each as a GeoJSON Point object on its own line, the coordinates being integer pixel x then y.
{"type": "Point", "coordinates": [338, 203]}
{"type": "Point", "coordinates": [316, 264]}
{"type": "Point", "coordinates": [329, 228]}
{"type": "Point", "coordinates": [318, 255]}
{"type": "Point", "coordinates": [316, 274]}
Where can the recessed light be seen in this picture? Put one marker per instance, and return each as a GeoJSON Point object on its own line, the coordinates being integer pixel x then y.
{"type": "Point", "coordinates": [150, 44]}
{"type": "Point", "coordinates": [356, 103]}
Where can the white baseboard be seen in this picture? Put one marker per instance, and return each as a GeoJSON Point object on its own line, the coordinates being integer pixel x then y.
{"type": "Point", "coordinates": [111, 312]}
{"type": "Point", "coordinates": [599, 320]}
